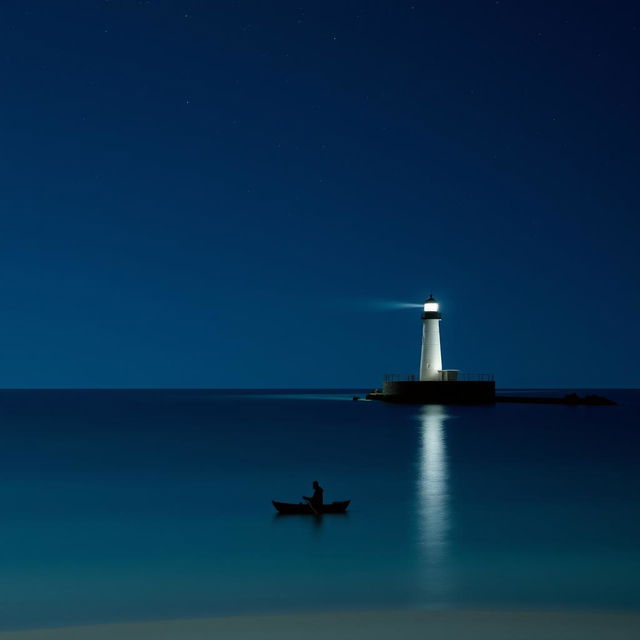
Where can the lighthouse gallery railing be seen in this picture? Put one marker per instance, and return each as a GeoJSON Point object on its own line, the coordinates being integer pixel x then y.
{"type": "Point", "coordinates": [462, 377]}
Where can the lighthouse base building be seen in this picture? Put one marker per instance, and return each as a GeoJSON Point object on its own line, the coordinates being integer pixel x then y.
{"type": "Point", "coordinates": [436, 385]}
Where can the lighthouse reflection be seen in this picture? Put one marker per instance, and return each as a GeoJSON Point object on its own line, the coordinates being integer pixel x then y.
{"type": "Point", "coordinates": [433, 498]}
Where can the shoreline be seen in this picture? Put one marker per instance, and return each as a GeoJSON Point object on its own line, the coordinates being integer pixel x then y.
{"type": "Point", "coordinates": [409, 624]}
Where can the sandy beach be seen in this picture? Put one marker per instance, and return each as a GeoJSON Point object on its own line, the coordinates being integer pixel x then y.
{"type": "Point", "coordinates": [458, 625]}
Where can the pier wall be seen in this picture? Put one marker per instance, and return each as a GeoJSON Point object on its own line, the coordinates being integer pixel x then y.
{"type": "Point", "coordinates": [438, 392]}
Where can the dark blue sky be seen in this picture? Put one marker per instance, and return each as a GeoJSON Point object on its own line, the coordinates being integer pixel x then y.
{"type": "Point", "coordinates": [218, 193]}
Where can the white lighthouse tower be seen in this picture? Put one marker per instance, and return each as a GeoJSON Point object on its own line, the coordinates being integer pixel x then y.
{"type": "Point", "coordinates": [431, 356]}
{"type": "Point", "coordinates": [436, 385]}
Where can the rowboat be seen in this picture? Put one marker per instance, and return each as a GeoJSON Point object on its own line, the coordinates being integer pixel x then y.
{"type": "Point", "coordinates": [304, 509]}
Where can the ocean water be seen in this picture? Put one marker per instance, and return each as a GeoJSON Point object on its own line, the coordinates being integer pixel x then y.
{"type": "Point", "coordinates": [143, 505]}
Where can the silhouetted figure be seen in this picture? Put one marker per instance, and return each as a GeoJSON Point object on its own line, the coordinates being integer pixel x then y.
{"type": "Point", "coordinates": [317, 499]}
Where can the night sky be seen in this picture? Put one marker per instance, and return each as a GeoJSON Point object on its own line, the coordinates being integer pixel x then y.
{"type": "Point", "coordinates": [226, 194]}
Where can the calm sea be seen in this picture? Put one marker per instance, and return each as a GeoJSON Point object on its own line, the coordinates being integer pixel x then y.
{"type": "Point", "coordinates": [138, 505]}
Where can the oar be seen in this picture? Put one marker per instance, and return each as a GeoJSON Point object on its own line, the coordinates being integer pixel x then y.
{"type": "Point", "coordinates": [315, 513]}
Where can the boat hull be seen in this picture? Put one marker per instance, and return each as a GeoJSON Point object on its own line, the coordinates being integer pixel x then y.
{"type": "Point", "coordinates": [303, 509]}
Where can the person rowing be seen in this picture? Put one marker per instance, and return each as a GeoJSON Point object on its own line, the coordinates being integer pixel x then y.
{"type": "Point", "coordinates": [317, 499]}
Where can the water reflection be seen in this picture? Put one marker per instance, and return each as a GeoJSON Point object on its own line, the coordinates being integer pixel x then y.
{"type": "Point", "coordinates": [433, 497]}
{"type": "Point", "coordinates": [301, 522]}
{"type": "Point", "coordinates": [315, 522]}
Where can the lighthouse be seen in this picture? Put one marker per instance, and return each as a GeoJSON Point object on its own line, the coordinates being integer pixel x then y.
{"type": "Point", "coordinates": [435, 385]}
{"type": "Point", "coordinates": [431, 355]}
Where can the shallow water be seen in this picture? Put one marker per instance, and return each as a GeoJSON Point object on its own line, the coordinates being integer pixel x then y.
{"type": "Point", "coordinates": [134, 505]}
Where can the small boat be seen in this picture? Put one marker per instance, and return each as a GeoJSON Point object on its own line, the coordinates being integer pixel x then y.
{"type": "Point", "coordinates": [303, 508]}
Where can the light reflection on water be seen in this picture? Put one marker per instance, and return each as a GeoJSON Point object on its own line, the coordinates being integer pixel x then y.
{"type": "Point", "coordinates": [433, 500]}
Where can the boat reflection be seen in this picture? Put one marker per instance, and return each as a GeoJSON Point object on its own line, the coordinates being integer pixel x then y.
{"type": "Point", "coordinates": [433, 498]}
